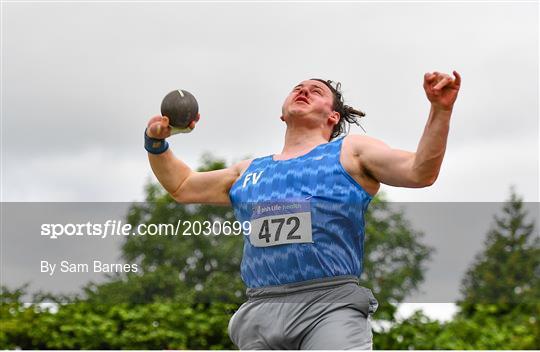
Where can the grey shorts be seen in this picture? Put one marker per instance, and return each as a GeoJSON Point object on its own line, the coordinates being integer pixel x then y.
{"type": "Point", "coordinates": [324, 314]}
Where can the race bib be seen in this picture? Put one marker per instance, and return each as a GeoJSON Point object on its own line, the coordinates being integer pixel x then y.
{"type": "Point", "coordinates": [273, 224]}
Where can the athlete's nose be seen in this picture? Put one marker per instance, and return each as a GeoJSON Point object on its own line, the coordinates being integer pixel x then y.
{"type": "Point", "coordinates": [303, 91]}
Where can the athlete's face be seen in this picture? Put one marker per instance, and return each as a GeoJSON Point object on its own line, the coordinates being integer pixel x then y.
{"type": "Point", "coordinates": [309, 97]}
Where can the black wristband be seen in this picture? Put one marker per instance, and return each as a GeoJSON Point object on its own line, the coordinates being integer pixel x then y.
{"type": "Point", "coordinates": [155, 146]}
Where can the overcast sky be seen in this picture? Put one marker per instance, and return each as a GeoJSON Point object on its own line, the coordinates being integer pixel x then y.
{"type": "Point", "coordinates": [80, 81]}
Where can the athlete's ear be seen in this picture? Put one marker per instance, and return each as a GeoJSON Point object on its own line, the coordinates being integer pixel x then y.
{"type": "Point", "coordinates": [334, 117]}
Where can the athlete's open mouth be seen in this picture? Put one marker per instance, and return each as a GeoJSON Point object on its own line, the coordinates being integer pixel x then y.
{"type": "Point", "coordinates": [302, 99]}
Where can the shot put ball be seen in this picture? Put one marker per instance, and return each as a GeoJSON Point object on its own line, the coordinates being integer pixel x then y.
{"type": "Point", "coordinates": [181, 107]}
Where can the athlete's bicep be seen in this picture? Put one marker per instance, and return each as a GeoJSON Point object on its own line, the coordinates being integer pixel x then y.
{"type": "Point", "coordinates": [208, 187]}
{"type": "Point", "coordinates": [387, 165]}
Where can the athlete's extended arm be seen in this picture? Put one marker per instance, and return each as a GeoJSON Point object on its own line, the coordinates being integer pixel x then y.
{"type": "Point", "coordinates": [420, 169]}
{"type": "Point", "coordinates": [184, 184]}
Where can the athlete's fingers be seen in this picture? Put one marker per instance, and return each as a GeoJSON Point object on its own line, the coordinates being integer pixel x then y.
{"type": "Point", "coordinates": [154, 119]}
{"type": "Point", "coordinates": [429, 77]}
{"type": "Point", "coordinates": [163, 127]}
{"type": "Point", "coordinates": [457, 81]}
{"type": "Point", "coordinates": [158, 130]}
{"type": "Point", "coordinates": [443, 82]}
{"type": "Point", "coordinates": [194, 122]}
{"type": "Point", "coordinates": [164, 121]}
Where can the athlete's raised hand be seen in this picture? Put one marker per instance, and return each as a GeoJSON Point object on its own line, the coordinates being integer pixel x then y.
{"type": "Point", "coordinates": [441, 89]}
{"type": "Point", "coordinates": [158, 127]}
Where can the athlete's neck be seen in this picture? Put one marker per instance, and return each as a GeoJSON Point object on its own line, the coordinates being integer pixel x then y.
{"type": "Point", "coordinates": [299, 142]}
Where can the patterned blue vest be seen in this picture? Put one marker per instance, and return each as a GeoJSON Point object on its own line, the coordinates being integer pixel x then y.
{"type": "Point", "coordinates": [315, 186]}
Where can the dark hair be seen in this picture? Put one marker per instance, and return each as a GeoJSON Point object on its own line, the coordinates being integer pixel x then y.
{"type": "Point", "coordinates": [347, 114]}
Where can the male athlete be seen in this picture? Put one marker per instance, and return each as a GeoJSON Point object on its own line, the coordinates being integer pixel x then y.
{"type": "Point", "coordinates": [303, 256]}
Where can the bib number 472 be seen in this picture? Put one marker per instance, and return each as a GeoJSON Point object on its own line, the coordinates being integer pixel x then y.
{"type": "Point", "coordinates": [293, 223]}
{"type": "Point", "coordinates": [281, 229]}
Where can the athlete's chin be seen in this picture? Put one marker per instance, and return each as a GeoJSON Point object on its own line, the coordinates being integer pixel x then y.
{"type": "Point", "coordinates": [296, 112]}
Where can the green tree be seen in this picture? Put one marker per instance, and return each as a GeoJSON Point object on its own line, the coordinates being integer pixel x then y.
{"type": "Point", "coordinates": [500, 305]}
{"type": "Point", "coordinates": [486, 329]}
{"type": "Point", "coordinates": [198, 268]}
{"type": "Point", "coordinates": [168, 324]}
{"type": "Point", "coordinates": [395, 257]}
{"type": "Point", "coordinates": [15, 319]}
{"type": "Point", "coordinates": [507, 272]}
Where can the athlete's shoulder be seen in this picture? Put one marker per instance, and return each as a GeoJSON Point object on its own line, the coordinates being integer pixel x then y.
{"type": "Point", "coordinates": [241, 166]}
{"type": "Point", "coordinates": [357, 144]}
{"type": "Point", "coordinates": [354, 151]}
{"type": "Point", "coordinates": [360, 138]}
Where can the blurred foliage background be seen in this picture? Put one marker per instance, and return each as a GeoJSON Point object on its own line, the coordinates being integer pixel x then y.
{"type": "Point", "coordinates": [187, 289]}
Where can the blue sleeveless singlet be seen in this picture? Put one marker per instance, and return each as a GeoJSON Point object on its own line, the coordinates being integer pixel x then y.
{"type": "Point", "coordinates": [282, 198]}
